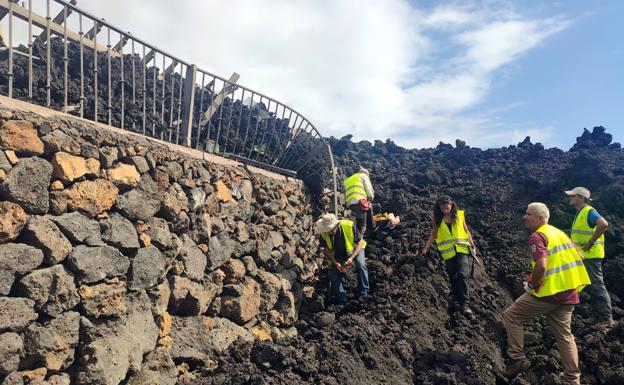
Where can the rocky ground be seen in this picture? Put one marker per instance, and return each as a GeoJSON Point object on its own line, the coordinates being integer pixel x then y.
{"type": "Point", "coordinates": [406, 334]}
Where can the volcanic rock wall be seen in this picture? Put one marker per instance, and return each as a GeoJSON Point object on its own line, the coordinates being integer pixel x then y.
{"type": "Point", "coordinates": [124, 262]}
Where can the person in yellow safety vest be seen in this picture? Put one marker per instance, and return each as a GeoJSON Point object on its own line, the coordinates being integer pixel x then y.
{"type": "Point", "coordinates": [359, 195]}
{"type": "Point", "coordinates": [588, 235]}
{"type": "Point", "coordinates": [452, 236]}
{"type": "Point", "coordinates": [552, 289]}
{"type": "Point", "coordinates": [343, 245]}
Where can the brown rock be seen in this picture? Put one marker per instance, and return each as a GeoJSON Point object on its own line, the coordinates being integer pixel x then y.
{"type": "Point", "coordinates": [262, 331]}
{"type": "Point", "coordinates": [12, 220]}
{"type": "Point", "coordinates": [104, 299]}
{"type": "Point", "coordinates": [159, 297]}
{"type": "Point", "coordinates": [162, 179]}
{"type": "Point", "coordinates": [52, 344]}
{"type": "Point", "coordinates": [42, 233]}
{"type": "Point", "coordinates": [57, 185]}
{"type": "Point", "coordinates": [21, 136]}
{"type": "Point", "coordinates": [92, 197]}
{"type": "Point", "coordinates": [244, 308]}
{"type": "Point", "coordinates": [11, 157]}
{"type": "Point", "coordinates": [124, 175]}
{"type": "Point", "coordinates": [192, 298]}
{"type": "Point", "coordinates": [2, 175]}
{"type": "Point", "coordinates": [234, 271]}
{"type": "Point", "coordinates": [223, 192]}
{"type": "Point", "coordinates": [164, 324]}
{"type": "Point", "coordinates": [145, 240]}
{"type": "Point", "coordinates": [68, 167]}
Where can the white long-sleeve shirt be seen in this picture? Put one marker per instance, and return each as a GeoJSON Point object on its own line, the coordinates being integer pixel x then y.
{"type": "Point", "coordinates": [368, 187]}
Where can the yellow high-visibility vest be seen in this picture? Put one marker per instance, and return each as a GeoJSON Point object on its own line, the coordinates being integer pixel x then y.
{"type": "Point", "coordinates": [448, 242]}
{"type": "Point", "coordinates": [564, 267]}
{"type": "Point", "coordinates": [354, 188]}
{"type": "Point", "coordinates": [582, 233]}
{"type": "Point", "coordinates": [349, 237]}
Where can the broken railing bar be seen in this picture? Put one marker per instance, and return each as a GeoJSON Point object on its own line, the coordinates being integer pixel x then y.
{"type": "Point", "coordinates": [95, 76]}
{"type": "Point", "coordinates": [251, 107]}
{"type": "Point", "coordinates": [229, 127]}
{"type": "Point", "coordinates": [82, 96]}
{"type": "Point", "coordinates": [5, 11]}
{"type": "Point", "coordinates": [293, 152]}
{"type": "Point", "coordinates": [65, 58]}
{"type": "Point", "coordinates": [282, 137]}
{"type": "Point", "coordinates": [201, 107]}
{"type": "Point", "coordinates": [248, 122]}
{"type": "Point", "coordinates": [48, 71]}
{"type": "Point", "coordinates": [294, 133]}
{"type": "Point", "coordinates": [122, 43]}
{"type": "Point", "coordinates": [58, 19]}
{"type": "Point", "coordinates": [240, 118]}
{"type": "Point", "coordinates": [181, 104]}
{"type": "Point", "coordinates": [123, 91]}
{"type": "Point", "coordinates": [109, 105]}
{"type": "Point", "coordinates": [144, 94]}
{"type": "Point", "coordinates": [30, 54]}
{"type": "Point", "coordinates": [162, 101]}
{"type": "Point", "coordinates": [10, 69]}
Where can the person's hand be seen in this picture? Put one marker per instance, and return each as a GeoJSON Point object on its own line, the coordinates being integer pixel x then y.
{"type": "Point", "coordinates": [348, 262]}
{"type": "Point", "coordinates": [587, 247]}
{"type": "Point", "coordinates": [528, 287]}
{"type": "Point", "coordinates": [473, 249]}
{"type": "Point", "coordinates": [424, 252]}
{"type": "Point", "coordinates": [339, 267]}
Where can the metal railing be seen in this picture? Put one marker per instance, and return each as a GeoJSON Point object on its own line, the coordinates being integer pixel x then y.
{"type": "Point", "coordinates": [107, 75]}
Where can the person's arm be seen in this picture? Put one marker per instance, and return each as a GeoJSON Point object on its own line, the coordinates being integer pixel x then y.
{"type": "Point", "coordinates": [473, 247]}
{"type": "Point", "coordinates": [368, 186]}
{"type": "Point", "coordinates": [356, 251]}
{"type": "Point", "coordinates": [601, 227]}
{"type": "Point", "coordinates": [432, 237]}
{"type": "Point", "coordinates": [538, 272]}
{"type": "Point", "coordinates": [538, 246]}
{"type": "Point", "coordinates": [330, 255]}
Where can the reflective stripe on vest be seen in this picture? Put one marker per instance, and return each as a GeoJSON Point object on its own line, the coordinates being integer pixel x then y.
{"type": "Point", "coordinates": [581, 234]}
{"type": "Point", "coordinates": [448, 244]}
{"type": "Point", "coordinates": [349, 237]}
{"type": "Point", "coordinates": [354, 188]}
{"type": "Point", "coordinates": [564, 265]}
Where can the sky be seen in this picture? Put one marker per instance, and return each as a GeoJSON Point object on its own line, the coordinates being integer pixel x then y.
{"type": "Point", "coordinates": [489, 72]}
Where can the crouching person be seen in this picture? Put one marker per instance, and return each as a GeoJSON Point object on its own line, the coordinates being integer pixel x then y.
{"type": "Point", "coordinates": [343, 245]}
{"type": "Point", "coordinates": [552, 290]}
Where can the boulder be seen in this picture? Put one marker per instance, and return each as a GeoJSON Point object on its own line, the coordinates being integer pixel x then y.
{"type": "Point", "coordinates": [198, 197]}
{"type": "Point", "coordinates": [138, 205]}
{"type": "Point", "coordinates": [119, 232]}
{"type": "Point", "coordinates": [68, 168]}
{"type": "Point", "coordinates": [193, 259]}
{"type": "Point", "coordinates": [42, 233]}
{"type": "Point", "coordinates": [158, 368]}
{"type": "Point", "coordinates": [123, 175]}
{"type": "Point", "coordinates": [159, 297]}
{"type": "Point", "coordinates": [12, 220]}
{"type": "Point", "coordinates": [234, 270]}
{"type": "Point", "coordinates": [16, 313]}
{"type": "Point", "coordinates": [220, 249]}
{"type": "Point", "coordinates": [148, 268]}
{"type": "Point", "coordinates": [91, 197]}
{"type": "Point", "coordinates": [108, 156]}
{"type": "Point", "coordinates": [140, 163]}
{"type": "Point", "coordinates": [223, 192]}
{"type": "Point", "coordinates": [192, 298]}
{"type": "Point", "coordinates": [196, 338]}
{"type": "Point", "coordinates": [271, 288]}
{"type": "Point", "coordinates": [52, 289]}
{"type": "Point", "coordinates": [16, 258]}
{"type": "Point", "coordinates": [79, 228]}
{"type": "Point", "coordinates": [58, 141]}
{"type": "Point", "coordinates": [106, 299]}
{"type": "Point", "coordinates": [21, 137]}
{"type": "Point", "coordinates": [5, 165]}
{"type": "Point", "coordinates": [243, 308]}
{"type": "Point", "coordinates": [27, 185]}
{"type": "Point", "coordinates": [108, 349]}
{"type": "Point", "coordinates": [174, 201]}
{"type": "Point", "coordinates": [93, 264]}
{"type": "Point", "coordinates": [52, 344]}
{"type": "Point", "coordinates": [11, 347]}
{"type": "Point", "coordinates": [158, 231]}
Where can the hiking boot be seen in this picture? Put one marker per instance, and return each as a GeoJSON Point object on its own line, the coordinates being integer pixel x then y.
{"type": "Point", "coordinates": [604, 326]}
{"type": "Point", "coordinates": [467, 311]}
{"type": "Point", "coordinates": [516, 366]}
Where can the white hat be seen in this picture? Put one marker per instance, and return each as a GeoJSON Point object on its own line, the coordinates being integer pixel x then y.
{"type": "Point", "coordinates": [363, 170]}
{"type": "Point", "coordinates": [326, 222]}
{"type": "Point", "coordinates": [582, 191]}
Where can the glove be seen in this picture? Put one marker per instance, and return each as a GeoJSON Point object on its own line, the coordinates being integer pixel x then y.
{"type": "Point", "coordinates": [528, 287]}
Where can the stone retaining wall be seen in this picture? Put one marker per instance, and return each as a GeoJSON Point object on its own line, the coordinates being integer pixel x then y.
{"type": "Point", "coordinates": [122, 261]}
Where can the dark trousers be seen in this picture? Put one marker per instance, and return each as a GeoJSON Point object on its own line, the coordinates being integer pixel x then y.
{"type": "Point", "coordinates": [599, 299]}
{"type": "Point", "coordinates": [458, 269]}
{"type": "Point", "coordinates": [363, 218]}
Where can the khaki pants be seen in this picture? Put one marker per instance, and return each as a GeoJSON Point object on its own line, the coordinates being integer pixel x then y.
{"type": "Point", "coordinates": [559, 318]}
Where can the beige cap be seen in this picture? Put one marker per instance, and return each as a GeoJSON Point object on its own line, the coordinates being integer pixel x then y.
{"type": "Point", "coordinates": [582, 191]}
{"type": "Point", "coordinates": [364, 171]}
{"type": "Point", "coordinates": [326, 223]}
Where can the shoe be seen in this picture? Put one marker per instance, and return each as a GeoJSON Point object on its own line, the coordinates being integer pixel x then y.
{"type": "Point", "coordinates": [467, 311]}
{"type": "Point", "coordinates": [604, 326]}
{"type": "Point", "coordinates": [516, 366]}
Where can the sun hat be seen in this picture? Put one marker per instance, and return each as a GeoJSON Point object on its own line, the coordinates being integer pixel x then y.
{"type": "Point", "coordinates": [326, 222]}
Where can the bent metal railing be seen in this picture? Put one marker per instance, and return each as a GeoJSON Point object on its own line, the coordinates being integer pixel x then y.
{"type": "Point", "coordinates": [107, 75]}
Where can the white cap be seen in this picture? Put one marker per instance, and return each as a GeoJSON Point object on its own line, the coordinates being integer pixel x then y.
{"type": "Point", "coordinates": [326, 223]}
{"type": "Point", "coordinates": [582, 191]}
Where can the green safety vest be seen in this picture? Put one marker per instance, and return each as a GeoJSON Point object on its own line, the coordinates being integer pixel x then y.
{"type": "Point", "coordinates": [354, 188]}
{"type": "Point", "coordinates": [582, 233]}
{"type": "Point", "coordinates": [349, 237]}
{"type": "Point", "coordinates": [564, 267]}
{"type": "Point", "coordinates": [448, 243]}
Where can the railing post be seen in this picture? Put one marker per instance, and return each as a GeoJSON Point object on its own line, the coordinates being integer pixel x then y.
{"type": "Point", "coordinates": [187, 104]}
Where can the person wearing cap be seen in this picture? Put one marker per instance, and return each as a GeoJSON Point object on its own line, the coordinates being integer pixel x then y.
{"type": "Point", "coordinates": [455, 244]}
{"type": "Point", "coordinates": [551, 290]}
{"type": "Point", "coordinates": [588, 234]}
{"type": "Point", "coordinates": [359, 195]}
{"type": "Point", "coordinates": [343, 245]}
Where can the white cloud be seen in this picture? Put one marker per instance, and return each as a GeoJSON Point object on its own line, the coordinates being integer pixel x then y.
{"type": "Point", "coordinates": [375, 69]}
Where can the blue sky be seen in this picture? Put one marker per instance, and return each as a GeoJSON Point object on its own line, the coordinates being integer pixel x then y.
{"type": "Point", "coordinates": [489, 72]}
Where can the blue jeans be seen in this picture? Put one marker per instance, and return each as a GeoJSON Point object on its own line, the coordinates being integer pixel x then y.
{"type": "Point", "coordinates": [599, 299]}
{"type": "Point", "coordinates": [339, 294]}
